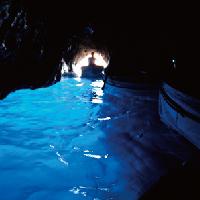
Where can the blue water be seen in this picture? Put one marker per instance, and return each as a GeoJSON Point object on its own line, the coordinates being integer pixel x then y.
{"type": "Point", "coordinates": [70, 141]}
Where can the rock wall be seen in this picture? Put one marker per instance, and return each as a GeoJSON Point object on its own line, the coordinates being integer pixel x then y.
{"type": "Point", "coordinates": [35, 36]}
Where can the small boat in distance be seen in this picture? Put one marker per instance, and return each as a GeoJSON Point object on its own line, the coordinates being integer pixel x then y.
{"type": "Point", "coordinates": [90, 70]}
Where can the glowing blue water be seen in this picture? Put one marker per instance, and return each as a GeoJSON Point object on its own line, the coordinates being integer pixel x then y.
{"type": "Point", "coordinates": [66, 142]}
{"type": "Point", "coordinates": [49, 143]}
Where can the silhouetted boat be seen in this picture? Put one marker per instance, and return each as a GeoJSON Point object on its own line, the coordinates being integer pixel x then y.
{"type": "Point", "coordinates": [130, 83]}
{"type": "Point", "coordinates": [92, 71]}
{"type": "Point", "coordinates": [181, 112]}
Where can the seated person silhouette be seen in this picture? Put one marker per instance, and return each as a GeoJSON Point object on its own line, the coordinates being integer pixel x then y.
{"type": "Point", "coordinates": [92, 70]}
{"type": "Point", "coordinates": [91, 60]}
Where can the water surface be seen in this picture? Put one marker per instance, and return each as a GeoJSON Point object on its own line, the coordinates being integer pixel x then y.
{"type": "Point", "coordinates": [74, 141]}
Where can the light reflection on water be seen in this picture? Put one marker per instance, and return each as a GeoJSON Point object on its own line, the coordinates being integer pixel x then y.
{"type": "Point", "coordinates": [50, 143]}
{"type": "Point", "coordinates": [74, 141]}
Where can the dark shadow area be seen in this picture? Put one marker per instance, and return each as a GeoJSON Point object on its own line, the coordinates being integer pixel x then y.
{"type": "Point", "coordinates": [179, 183]}
{"type": "Point", "coordinates": [36, 35]}
{"type": "Point", "coordinates": [157, 162]}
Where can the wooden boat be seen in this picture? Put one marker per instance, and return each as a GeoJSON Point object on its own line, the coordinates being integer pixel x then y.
{"type": "Point", "coordinates": [181, 112]}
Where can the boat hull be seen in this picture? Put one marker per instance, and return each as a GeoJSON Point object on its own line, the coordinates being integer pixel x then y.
{"type": "Point", "coordinates": [181, 112]}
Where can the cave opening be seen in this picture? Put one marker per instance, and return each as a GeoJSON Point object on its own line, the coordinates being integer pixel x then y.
{"type": "Point", "coordinates": [83, 51]}
{"type": "Point", "coordinates": [81, 61]}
